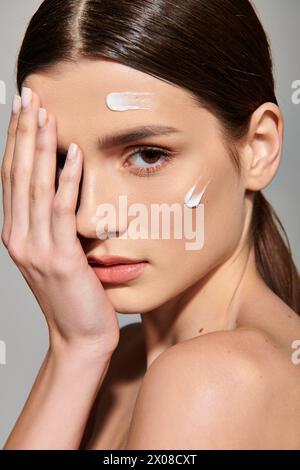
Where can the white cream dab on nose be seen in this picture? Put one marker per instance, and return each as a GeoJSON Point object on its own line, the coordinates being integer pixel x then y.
{"type": "Point", "coordinates": [129, 100]}
{"type": "Point", "coordinates": [192, 200]}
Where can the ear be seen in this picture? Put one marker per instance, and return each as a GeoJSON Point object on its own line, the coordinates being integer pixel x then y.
{"type": "Point", "coordinates": [262, 147]}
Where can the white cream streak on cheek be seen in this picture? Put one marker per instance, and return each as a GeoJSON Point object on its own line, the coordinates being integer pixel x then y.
{"type": "Point", "coordinates": [130, 100]}
{"type": "Point", "coordinates": [192, 200]}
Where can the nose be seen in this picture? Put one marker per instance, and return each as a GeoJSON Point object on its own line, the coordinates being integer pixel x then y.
{"type": "Point", "coordinates": [97, 195]}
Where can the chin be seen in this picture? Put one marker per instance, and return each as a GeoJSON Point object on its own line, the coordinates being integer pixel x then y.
{"type": "Point", "coordinates": [124, 298]}
{"type": "Point", "coordinates": [132, 300]}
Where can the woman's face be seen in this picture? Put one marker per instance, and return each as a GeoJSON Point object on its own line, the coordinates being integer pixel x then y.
{"type": "Point", "coordinates": [76, 95]}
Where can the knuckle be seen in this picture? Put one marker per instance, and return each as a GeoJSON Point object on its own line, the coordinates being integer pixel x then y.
{"type": "Point", "coordinates": [16, 253]}
{"type": "Point", "coordinates": [40, 146]}
{"type": "Point", "coordinates": [29, 258]}
{"type": "Point", "coordinates": [5, 174]}
{"type": "Point", "coordinates": [34, 194]}
{"type": "Point", "coordinates": [11, 131]}
{"type": "Point", "coordinates": [66, 177]}
{"type": "Point", "coordinates": [14, 177]}
{"type": "Point", "coordinates": [24, 125]}
{"type": "Point", "coordinates": [18, 174]}
{"type": "Point", "coordinates": [61, 207]}
{"type": "Point", "coordinates": [38, 191]}
{"type": "Point", "coordinates": [4, 239]}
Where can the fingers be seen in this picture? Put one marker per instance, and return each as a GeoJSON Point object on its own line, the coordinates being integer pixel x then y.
{"type": "Point", "coordinates": [42, 184]}
{"type": "Point", "coordinates": [6, 169]}
{"type": "Point", "coordinates": [22, 162]}
{"type": "Point", "coordinates": [64, 230]}
{"type": "Point", "coordinates": [28, 171]}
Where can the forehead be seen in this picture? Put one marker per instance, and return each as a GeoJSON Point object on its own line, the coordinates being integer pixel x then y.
{"type": "Point", "coordinates": [89, 82]}
{"type": "Point", "coordinates": [76, 94]}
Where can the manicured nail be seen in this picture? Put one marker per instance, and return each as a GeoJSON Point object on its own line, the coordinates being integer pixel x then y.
{"type": "Point", "coordinates": [42, 117]}
{"type": "Point", "coordinates": [17, 102]}
{"type": "Point", "coordinates": [72, 152]}
{"type": "Point", "coordinates": [26, 97]}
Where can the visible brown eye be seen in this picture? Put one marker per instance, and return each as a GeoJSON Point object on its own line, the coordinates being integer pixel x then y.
{"type": "Point", "coordinates": [150, 159]}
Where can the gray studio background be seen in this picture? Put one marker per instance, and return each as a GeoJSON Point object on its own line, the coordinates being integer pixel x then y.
{"type": "Point", "coordinates": [22, 326]}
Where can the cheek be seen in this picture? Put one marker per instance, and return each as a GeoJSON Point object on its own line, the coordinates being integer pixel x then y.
{"type": "Point", "coordinates": [223, 219]}
{"type": "Point", "coordinates": [173, 268]}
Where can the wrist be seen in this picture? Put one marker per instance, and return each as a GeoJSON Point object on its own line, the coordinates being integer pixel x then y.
{"type": "Point", "coordinates": [80, 350]}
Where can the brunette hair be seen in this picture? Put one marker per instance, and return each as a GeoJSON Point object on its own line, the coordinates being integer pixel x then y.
{"type": "Point", "coordinates": [216, 49]}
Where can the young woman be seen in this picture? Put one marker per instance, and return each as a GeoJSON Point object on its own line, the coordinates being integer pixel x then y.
{"type": "Point", "coordinates": [213, 363]}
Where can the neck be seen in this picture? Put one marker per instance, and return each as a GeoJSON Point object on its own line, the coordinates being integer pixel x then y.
{"type": "Point", "coordinates": [214, 303]}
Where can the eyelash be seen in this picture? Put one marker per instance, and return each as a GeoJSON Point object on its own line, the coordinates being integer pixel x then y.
{"type": "Point", "coordinates": [149, 171]}
{"type": "Point", "coordinates": [141, 172]}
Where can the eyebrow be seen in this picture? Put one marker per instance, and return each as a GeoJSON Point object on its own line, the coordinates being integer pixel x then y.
{"type": "Point", "coordinates": [129, 135]}
{"type": "Point", "coordinates": [134, 134]}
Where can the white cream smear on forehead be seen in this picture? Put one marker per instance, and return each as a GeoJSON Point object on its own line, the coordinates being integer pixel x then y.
{"type": "Point", "coordinates": [192, 200]}
{"type": "Point", "coordinates": [128, 100]}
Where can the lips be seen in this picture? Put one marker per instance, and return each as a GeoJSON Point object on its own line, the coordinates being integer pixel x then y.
{"type": "Point", "coordinates": [112, 260]}
{"type": "Point", "coordinates": [117, 269]}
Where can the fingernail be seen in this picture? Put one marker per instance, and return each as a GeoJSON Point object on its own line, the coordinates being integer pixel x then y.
{"type": "Point", "coordinates": [26, 97]}
{"type": "Point", "coordinates": [16, 104]}
{"type": "Point", "coordinates": [42, 117]}
{"type": "Point", "coordinates": [72, 152]}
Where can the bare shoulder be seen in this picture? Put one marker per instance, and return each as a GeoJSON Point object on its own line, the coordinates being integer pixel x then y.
{"type": "Point", "coordinates": [224, 390]}
{"type": "Point", "coordinates": [247, 352]}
